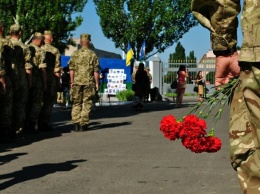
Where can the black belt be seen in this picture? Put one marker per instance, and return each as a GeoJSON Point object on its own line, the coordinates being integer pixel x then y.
{"type": "Point", "coordinates": [225, 52]}
{"type": "Point", "coordinates": [248, 65]}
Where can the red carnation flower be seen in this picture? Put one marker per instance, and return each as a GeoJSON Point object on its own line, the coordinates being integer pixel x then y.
{"type": "Point", "coordinates": [192, 126]}
{"type": "Point", "coordinates": [195, 144]}
{"type": "Point", "coordinates": [215, 144]}
{"type": "Point", "coordinates": [170, 127]}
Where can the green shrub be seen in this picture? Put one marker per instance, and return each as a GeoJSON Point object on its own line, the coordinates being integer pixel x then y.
{"type": "Point", "coordinates": [125, 95]}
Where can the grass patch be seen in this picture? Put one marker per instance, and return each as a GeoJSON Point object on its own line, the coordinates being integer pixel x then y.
{"type": "Point", "coordinates": [125, 95]}
{"type": "Point", "coordinates": [174, 94]}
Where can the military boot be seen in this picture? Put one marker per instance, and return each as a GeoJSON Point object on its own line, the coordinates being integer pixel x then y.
{"type": "Point", "coordinates": [76, 127]}
{"type": "Point", "coordinates": [83, 128]}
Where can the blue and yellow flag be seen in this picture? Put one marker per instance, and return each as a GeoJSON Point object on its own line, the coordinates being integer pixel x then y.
{"type": "Point", "coordinates": [129, 54]}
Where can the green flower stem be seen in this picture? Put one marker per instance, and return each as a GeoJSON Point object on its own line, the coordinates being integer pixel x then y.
{"type": "Point", "coordinates": [215, 99]}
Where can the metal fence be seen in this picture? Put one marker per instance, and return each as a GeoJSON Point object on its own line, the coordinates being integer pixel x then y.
{"type": "Point", "coordinates": [169, 73]}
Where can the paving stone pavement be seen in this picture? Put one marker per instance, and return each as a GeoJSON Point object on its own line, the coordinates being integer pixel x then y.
{"type": "Point", "coordinates": [123, 152]}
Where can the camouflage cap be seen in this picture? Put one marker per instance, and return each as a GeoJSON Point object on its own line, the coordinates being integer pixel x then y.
{"type": "Point", "coordinates": [47, 32]}
{"type": "Point", "coordinates": [85, 37]}
{"type": "Point", "coordinates": [38, 35]}
{"type": "Point", "coordinates": [15, 28]}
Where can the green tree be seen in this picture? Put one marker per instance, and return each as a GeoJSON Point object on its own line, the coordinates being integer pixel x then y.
{"type": "Point", "coordinates": [38, 15]}
{"type": "Point", "coordinates": [191, 56]}
{"type": "Point", "coordinates": [179, 54]}
{"type": "Point", "coordinates": [158, 23]}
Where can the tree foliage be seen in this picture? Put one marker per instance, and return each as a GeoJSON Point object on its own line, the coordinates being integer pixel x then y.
{"type": "Point", "coordinates": [38, 15]}
{"type": "Point", "coordinates": [158, 23]}
{"type": "Point", "coordinates": [179, 53]}
{"type": "Point", "coordinates": [191, 56]}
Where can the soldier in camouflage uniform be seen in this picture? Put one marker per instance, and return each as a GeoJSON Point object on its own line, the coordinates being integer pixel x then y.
{"type": "Point", "coordinates": [35, 95]}
{"type": "Point", "coordinates": [53, 70]}
{"type": "Point", "coordinates": [245, 107]}
{"type": "Point", "coordinates": [84, 76]}
{"type": "Point", "coordinates": [23, 62]}
{"type": "Point", "coordinates": [9, 78]}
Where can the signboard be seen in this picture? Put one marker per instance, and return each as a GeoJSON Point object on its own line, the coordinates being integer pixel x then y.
{"type": "Point", "coordinates": [115, 81]}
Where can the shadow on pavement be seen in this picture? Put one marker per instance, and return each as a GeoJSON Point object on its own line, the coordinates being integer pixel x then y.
{"type": "Point", "coordinates": [61, 121]}
{"type": "Point", "coordinates": [10, 157]}
{"type": "Point", "coordinates": [35, 172]}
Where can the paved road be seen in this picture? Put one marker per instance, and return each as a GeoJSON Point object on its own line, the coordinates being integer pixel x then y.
{"type": "Point", "coordinates": [123, 152]}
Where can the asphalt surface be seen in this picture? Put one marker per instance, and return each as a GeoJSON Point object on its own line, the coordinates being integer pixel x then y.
{"type": "Point", "coordinates": [123, 152]}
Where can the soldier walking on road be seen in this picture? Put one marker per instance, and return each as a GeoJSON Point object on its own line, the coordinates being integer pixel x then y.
{"type": "Point", "coordinates": [84, 76]}
{"type": "Point", "coordinates": [22, 58]}
{"type": "Point", "coordinates": [35, 94]}
{"type": "Point", "coordinates": [53, 70]}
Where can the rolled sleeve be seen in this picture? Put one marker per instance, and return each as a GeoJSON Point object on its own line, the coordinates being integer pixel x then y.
{"type": "Point", "coordinates": [57, 67]}
{"type": "Point", "coordinates": [71, 64]}
{"type": "Point", "coordinates": [28, 66]}
{"type": "Point", "coordinates": [42, 65]}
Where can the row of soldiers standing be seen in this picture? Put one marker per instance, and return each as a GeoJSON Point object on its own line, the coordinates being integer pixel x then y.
{"type": "Point", "coordinates": [29, 79]}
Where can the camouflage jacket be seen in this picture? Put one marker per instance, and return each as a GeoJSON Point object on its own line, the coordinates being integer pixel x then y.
{"type": "Point", "coordinates": [220, 18]}
{"type": "Point", "coordinates": [84, 62]}
{"type": "Point", "coordinates": [250, 49]}
{"type": "Point", "coordinates": [22, 56]}
{"type": "Point", "coordinates": [7, 60]}
{"type": "Point", "coordinates": [52, 58]}
{"type": "Point", "coordinates": [37, 56]}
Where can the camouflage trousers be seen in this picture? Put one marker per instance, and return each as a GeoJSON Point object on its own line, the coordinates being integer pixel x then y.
{"type": "Point", "coordinates": [60, 98]}
{"type": "Point", "coordinates": [48, 100]}
{"type": "Point", "coordinates": [244, 129]}
{"type": "Point", "coordinates": [20, 97]}
{"type": "Point", "coordinates": [82, 97]}
{"type": "Point", "coordinates": [34, 104]}
{"type": "Point", "coordinates": [6, 102]}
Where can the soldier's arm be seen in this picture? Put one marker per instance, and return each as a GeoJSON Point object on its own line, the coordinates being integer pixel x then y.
{"type": "Point", "coordinates": [43, 66]}
{"type": "Point", "coordinates": [223, 29]}
{"type": "Point", "coordinates": [71, 77]}
{"type": "Point", "coordinates": [71, 70]}
{"type": "Point", "coordinates": [28, 66]}
{"type": "Point", "coordinates": [96, 72]}
{"type": "Point", "coordinates": [3, 85]}
{"type": "Point", "coordinates": [199, 9]}
{"type": "Point", "coordinates": [57, 68]}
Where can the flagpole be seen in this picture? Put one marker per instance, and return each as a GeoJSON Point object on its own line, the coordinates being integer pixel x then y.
{"type": "Point", "coordinates": [123, 54]}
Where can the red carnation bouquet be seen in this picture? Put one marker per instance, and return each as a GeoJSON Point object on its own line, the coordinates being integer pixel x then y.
{"type": "Point", "coordinates": [192, 132]}
{"type": "Point", "coordinates": [192, 129]}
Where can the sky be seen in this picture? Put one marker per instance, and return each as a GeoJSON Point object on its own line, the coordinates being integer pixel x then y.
{"type": "Point", "coordinates": [197, 39]}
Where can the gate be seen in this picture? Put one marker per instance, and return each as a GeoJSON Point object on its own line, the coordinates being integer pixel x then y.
{"type": "Point", "coordinates": [169, 73]}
